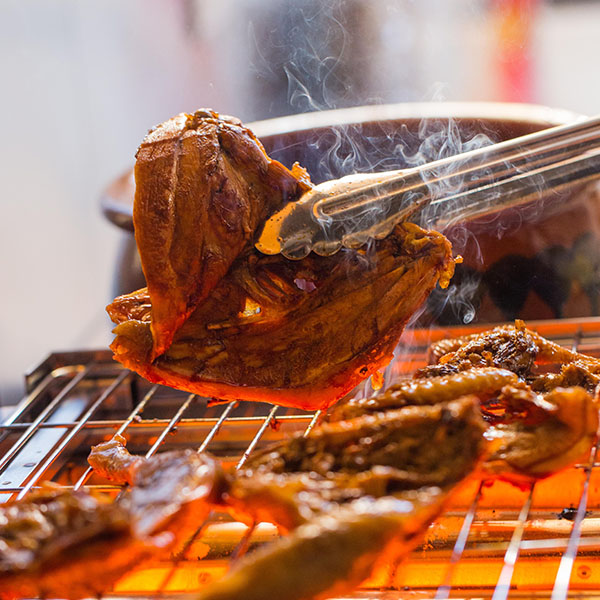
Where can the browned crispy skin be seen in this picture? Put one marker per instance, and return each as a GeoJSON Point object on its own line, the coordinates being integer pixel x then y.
{"type": "Point", "coordinates": [565, 434]}
{"type": "Point", "coordinates": [511, 347]}
{"type": "Point", "coordinates": [63, 544]}
{"type": "Point", "coordinates": [543, 423]}
{"type": "Point", "coordinates": [377, 455]}
{"type": "Point", "coordinates": [174, 491]}
{"type": "Point", "coordinates": [484, 383]}
{"type": "Point", "coordinates": [203, 185]}
{"type": "Point", "coordinates": [333, 553]}
{"type": "Point", "coordinates": [375, 510]}
{"type": "Point", "coordinates": [178, 485]}
{"type": "Point", "coordinates": [218, 318]}
{"type": "Point", "coordinates": [324, 324]}
{"type": "Point", "coordinates": [113, 461]}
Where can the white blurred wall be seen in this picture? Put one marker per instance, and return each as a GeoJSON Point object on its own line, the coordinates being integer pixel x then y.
{"type": "Point", "coordinates": [81, 82]}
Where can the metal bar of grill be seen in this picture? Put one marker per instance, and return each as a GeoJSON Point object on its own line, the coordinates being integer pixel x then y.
{"type": "Point", "coordinates": [161, 418]}
{"type": "Point", "coordinates": [561, 586]}
{"type": "Point", "coordinates": [512, 552]}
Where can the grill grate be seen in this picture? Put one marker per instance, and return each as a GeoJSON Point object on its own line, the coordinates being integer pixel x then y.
{"type": "Point", "coordinates": [494, 540]}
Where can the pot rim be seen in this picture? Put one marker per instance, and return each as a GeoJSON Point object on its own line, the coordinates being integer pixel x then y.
{"type": "Point", "coordinates": [116, 200]}
{"type": "Point", "coordinates": [496, 111]}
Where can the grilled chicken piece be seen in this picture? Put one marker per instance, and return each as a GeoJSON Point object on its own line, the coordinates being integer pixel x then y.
{"type": "Point", "coordinates": [518, 349]}
{"type": "Point", "coordinates": [174, 492]}
{"type": "Point", "coordinates": [62, 544]}
{"type": "Point", "coordinates": [296, 333]}
{"type": "Point", "coordinates": [291, 481]}
{"type": "Point", "coordinates": [483, 383]}
{"type": "Point", "coordinates": [513, 348]}
{"type": "Point", "coordinates": [374, 455]}
{"type": "Point", "coordinates": [332, 554]}
{"type": "Point", "coordinates": [180, 485]}
{"type": "Point", "coordinates": [545, 422]}
{"type": "Point", "coordinates": [113, 461]}
{"type": "Point", "coordinates": [537, 433]}
{"type": "Point", "coordinates": [532, 448]}
{"type": "Point", "coordinates": [373, 475]}
{"type": "Point", "coordinates": [203, 185]}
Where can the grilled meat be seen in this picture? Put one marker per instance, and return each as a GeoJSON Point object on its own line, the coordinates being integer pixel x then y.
{"type": "Point", "coordinates": [62, 544]}
{"type": "Point", "coordinates": [513, 348]}
{"type": "Point", "coordinates": [174, 492]}
{"type": "Point", "coordinates": [563, 435]}
{"type": "Point", "coordinates": [293, 333]}
{"type": "Point", "coordinates": [333, 553]}
{"type": "Point", "coordinates": [220, 319]}
{"type": "Point", "coordinates": [517, 349]}
{"type": "Point", "coordinates": [372, 477]}
{"type": "Point", "coordinates": [374, 455]}
{"type": "Point", "coordinates": [483, 383]}
{"type": "Point", "coordinates": [289, 482]}
{"type": "Point", "coordinates": [203, 185]}
{"type": "Point", "coordinates": [541, 421]}
{"type": "Point", "coordinates": [113, 461]}
{"type": "Point", "coordinates": [172, 485]}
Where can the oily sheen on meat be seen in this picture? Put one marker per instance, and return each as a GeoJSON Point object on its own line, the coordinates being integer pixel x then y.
{"type": "Point", "coordinates": [220, 319]}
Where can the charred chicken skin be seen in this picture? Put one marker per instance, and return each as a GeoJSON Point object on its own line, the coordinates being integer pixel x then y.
{"type": "Point", "coordinates": [540, 421]}
{"type": "Point", "coordinates": [333, 553]}
{"type": "Point", "coordinates": [373, 455]}
{"type": "Point", "coordinates": [301, 482]}
{"type": "Point", "coordinates": [55, 544]}
{"type": "Point", "coordinates": [203, 185]}
{"type": "Point", "coordinates": [354, 495]}
{"type": "Point", "coordinates": [63, 544]}
{"type": "Point", "coordinates": [367, 484]}
{"type": "Point", "coordinates": [220, 319]}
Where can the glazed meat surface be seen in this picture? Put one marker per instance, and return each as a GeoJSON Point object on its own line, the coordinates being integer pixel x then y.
{"type": "Point", "coordinates": [334, 553]}
{"type": "Point", "coordinates": [220, 319]}
{"type": "Point", "coordinates": [55, 544]}
{"type": "Point", "coordinates": [365, 491]}
{"type": "Point", "coordinates": [541, 421]}
{"type": "Point", "coordinates": [553, 439]}
{"type": "Point", "coordinates": [484, 383]}
{"type": "Point", "coordinates": [294, 333]}
{"type": "Point", "coordinates": [203, 185]}
{"type": "Point", "coordinates": [374, 455]}
{"type": "Point", "coordinates": [59, 543]}
{"type": "Point", "coordinates": [511, 347]}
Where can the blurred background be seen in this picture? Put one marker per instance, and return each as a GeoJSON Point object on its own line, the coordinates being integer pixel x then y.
{"type": "Point", "coordinates": [82, 82]}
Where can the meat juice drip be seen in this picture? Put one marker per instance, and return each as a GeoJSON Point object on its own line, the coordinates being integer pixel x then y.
{"type": "Point", "coordinates": [377, 380]}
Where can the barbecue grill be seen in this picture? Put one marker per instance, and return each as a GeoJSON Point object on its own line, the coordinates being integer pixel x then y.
{"type": "Point", "coordinates": [493, 539]}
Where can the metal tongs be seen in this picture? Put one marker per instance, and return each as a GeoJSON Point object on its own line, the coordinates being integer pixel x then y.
{"type": "Point", "coordinates": [347, 212]}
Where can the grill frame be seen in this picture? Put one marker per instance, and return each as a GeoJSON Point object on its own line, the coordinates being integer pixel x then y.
{"type": "Point", "coordinates": [88, 384]}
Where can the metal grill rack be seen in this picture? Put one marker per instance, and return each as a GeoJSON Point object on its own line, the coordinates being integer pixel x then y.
{"type": "Point", "coordinates": [494, 540]}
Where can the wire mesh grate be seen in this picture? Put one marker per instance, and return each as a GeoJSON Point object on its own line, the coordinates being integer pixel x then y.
{"type": "Point", "coordinates": [493, 540]}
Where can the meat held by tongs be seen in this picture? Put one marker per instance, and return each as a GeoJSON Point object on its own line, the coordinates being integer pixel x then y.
{"type": "Point", "coordinates": [219, 318]}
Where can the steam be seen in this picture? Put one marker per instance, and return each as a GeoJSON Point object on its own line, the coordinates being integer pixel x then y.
{"type": "Point", "coordinates": [312, 58]}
